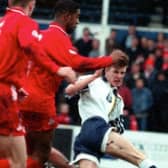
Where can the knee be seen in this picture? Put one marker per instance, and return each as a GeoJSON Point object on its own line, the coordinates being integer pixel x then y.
{"type": "Point", "coordinates": [19, 164]}
{"type": "Point", "coordinates": [87, 163]}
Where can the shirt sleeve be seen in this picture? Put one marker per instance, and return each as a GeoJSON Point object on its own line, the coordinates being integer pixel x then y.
{"type": "Point", "coordinates": [82, 64]}
{"type": "Point", "coordinates": [29, 39]}
{"type": "Point", "coordinates": [60, 48]}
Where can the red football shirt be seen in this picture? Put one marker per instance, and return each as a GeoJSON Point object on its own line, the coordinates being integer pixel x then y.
{"type": "Point", "coordinates": [41, 85]}
{"type": "Point", "coordinates": [58, 45]}
{"type": "Point", "coordinates": [19, 32]}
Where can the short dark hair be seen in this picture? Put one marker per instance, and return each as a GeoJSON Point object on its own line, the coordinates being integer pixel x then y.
{"type": "Point", "coordinates": [124, 61]}
{"type": "Point", "coordinates": [21, 3]}
{"type": "Point", "coordinates": [63, 6]}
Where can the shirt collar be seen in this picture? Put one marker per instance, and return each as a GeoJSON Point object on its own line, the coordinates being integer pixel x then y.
{"type": "Point", "coordinates": [57, 26]}
{"type": "Point", "coordinates": [114, 89]}
{"type": "Point", "coordinates": [16, 10]}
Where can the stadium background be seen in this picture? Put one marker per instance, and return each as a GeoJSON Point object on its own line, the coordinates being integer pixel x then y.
{"type": "Point", "coordinates": [101, 16]}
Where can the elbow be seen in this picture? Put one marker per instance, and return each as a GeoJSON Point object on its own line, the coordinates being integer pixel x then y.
{"type": "Point", "coordinates": [70, 91]}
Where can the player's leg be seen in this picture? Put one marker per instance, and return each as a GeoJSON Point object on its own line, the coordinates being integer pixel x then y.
{"type": "Point", "coordinates": [14, 149]}
{"type": "Point", "coordinates": [12, 142]}
{"type": "Point", "coordinates": [87, 163]}
{"type": "Point", "coordinates": [39, 145]}
{"type": "Point", "coordinates": [120, 147]}
{"type": "Point", "coordinates": [58, 159]}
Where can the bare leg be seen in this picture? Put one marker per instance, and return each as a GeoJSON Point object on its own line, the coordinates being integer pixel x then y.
{"type": "Point", "coordinates": [120, 147]}
{"type": "Point", "coordinates": [39, 145]}
{"type": "Point", "coordinates": [58, 159]}
{"type": "Point", "coordinates": [14, 149]}
{"type": "Point", "coordinates": [87, 164]}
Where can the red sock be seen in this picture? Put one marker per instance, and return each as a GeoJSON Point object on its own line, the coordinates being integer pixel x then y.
{"type": "Point", "coordinates": [4, 163]}
{"type": "Point", "coordinates": [32, 163]}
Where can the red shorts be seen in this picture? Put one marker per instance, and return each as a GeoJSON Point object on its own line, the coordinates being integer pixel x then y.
{"type": "Point", "coordinates": [34, 121]}
{"type": "Point", "coordinates": [10, 123]}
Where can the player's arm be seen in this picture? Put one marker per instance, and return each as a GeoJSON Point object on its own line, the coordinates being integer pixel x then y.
{"type": "Point", "coordinates": [67, 73]}
{"type": "Point", "coordinates": [83, 64]}
{"type": "Point", "coordinates": [80, 84]}
{"type": "Point", "coordinates": [69, 56]}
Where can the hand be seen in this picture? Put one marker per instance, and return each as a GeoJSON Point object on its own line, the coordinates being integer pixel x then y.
{"type": "Point", "coordinates": [97, 73]}
{"type": "Point", "coordinates": [22, 94]}
{"type": "Point", "coordinates": [68, 73]}
{"type": "Point", "coordinates": [118, 123]}
{"type": "Point", "coordinates": [117, 55]}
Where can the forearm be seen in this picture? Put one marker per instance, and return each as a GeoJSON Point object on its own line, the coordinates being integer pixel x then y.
{"type": "Point", "coordinates": [72, 89]}
{"type": "Point", "coordinates": [83, 64]}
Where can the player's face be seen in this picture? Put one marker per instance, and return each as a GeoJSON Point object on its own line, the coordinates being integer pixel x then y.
{"type": "Point", "coordinates": [32, 5]}
{"type": "Point", "coordinates": [115, 75]}
{"type": "Point", "coordinates": [72, 21]}
{"type": "Point", "coordinates": [9, 3]}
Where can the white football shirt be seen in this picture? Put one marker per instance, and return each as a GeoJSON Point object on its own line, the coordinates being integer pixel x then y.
{"type": "Point", "coordinates": [98, 99]}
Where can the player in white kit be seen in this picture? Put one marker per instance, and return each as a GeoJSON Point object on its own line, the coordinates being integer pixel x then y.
{"type": "Point", "coordinates": [101, 109]}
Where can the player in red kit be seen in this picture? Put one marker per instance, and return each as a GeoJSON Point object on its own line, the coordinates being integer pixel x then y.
{"type": "Point", "coordinates": [18, 34]}
{"type": "Point", "coordinates": [38, 110]}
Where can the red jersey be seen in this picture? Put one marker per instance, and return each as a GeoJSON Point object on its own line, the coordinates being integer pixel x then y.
{"type": "Point", "coordinates": [58, 45]}
{"type": "Point", "coordinates": [41, 85]}
{"type": "Point", "coordinates": [19, 32]}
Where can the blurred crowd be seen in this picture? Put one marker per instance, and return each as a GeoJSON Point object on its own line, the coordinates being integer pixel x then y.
{"type": "Point", "coordinates": [145, 89]}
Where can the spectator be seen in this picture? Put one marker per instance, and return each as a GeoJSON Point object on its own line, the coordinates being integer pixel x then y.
{"type": "Point", "coordinates": [160, 40]}
{"type": "Point", "coordinates": [158, 59]}
{"type": "Point", "coordinates": [142, 103]}
{"type": "Point", "coordinates": [63, 116]}
{"type": "Point", "coordinates": [165, 63]}
{"type": "Point", "coordinates": [128, 39]}
{"type": "Point", "coordinates": [149, 70]}
{"type": "Point", "coordinates": [144, 46]}
{"type": "Point", "coordinates": [95, 48]}
{"type": "Point", "coordinates": [84, 44]}
{"type": "Point", "coordinates": [111, 42]}
{"type": "Point", "coordinates": [125, 93]}
{"type": "Point", "coordinates": [159, 118]}
{"type": "Point", "coordinates": [133, 51]}
{"type": "Point", "coordinates": [151, 46]}
{"type": "Point", "coordinates": [134, 75]}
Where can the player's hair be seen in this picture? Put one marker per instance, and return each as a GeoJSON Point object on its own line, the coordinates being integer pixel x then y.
{"type": "Point", "coordinates": [65, 6]}
{"type": "Point", "coordinates": [124, 61]}
{"type": "Point", "coordinates": [22, 3]}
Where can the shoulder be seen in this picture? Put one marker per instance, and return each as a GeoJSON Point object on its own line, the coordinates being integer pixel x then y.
{"type": "Point", "coordinates": [27, 21]}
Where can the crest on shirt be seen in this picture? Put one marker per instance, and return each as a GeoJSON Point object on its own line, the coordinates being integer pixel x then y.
{"type": "Point", "coordinates": [109, 97]}
{"type": "Point", "coordinates": [71, 51]}
{"type": "Point", "coordinates": [37, 35]}
{"type": "Point", "coordinates": [2, 23]}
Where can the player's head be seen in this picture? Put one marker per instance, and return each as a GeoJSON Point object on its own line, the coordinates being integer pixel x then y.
{"type": "Point", "coordinates": [28, 5]}
{"type": "Point", "coordinates": [115, 73]}
{"type": "Point", "coordinates": [67, 14]}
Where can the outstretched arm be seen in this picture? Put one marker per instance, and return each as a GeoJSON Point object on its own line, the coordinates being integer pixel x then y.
{"type": "Point", "coordinates": [72, 89]}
